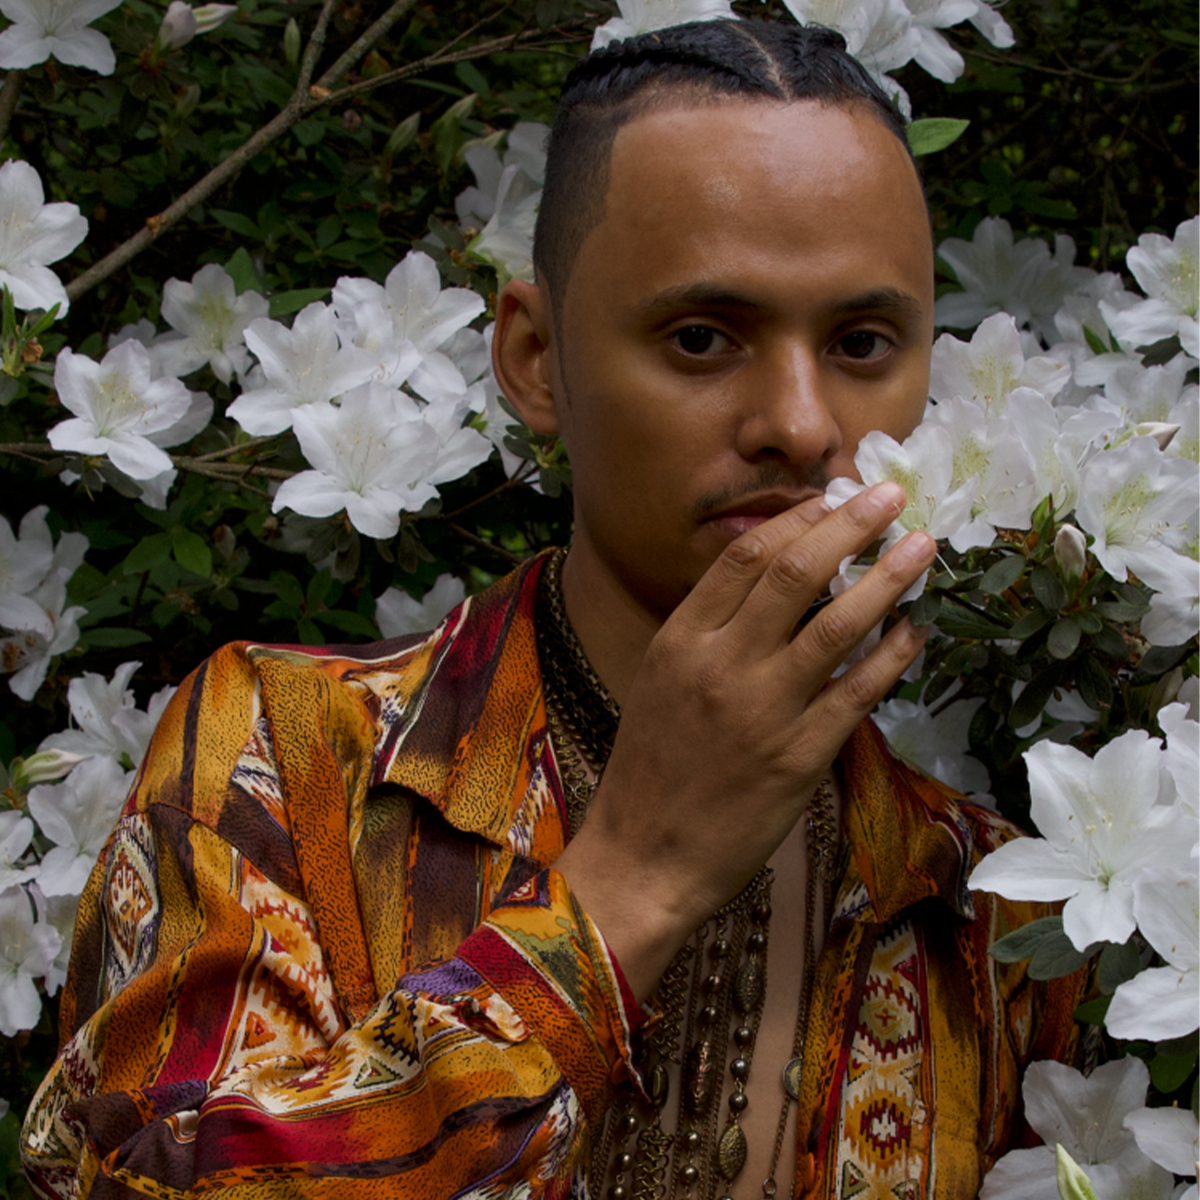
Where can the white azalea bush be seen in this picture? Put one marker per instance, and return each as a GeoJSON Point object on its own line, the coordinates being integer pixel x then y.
{"type": "Point", "coordinates": [289, 430]}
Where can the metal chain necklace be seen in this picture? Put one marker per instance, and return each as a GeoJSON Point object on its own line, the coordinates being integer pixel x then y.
{"type": "Point", "coordinates": [718, 979]}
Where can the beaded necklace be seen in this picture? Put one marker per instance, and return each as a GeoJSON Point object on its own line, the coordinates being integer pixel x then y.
{"type": "Point", "coordinates": [697, 1003]}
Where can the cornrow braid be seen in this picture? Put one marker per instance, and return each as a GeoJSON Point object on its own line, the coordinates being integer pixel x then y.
{"type": "Point", "coordinates": [703, 61]}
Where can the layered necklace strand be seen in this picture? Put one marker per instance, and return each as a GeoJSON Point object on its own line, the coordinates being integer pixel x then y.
{"type": "Point", "coordinates": [717, 978]}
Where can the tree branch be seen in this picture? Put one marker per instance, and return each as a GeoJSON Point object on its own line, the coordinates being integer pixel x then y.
{"type": "Point", "coordinates": [378, 30]}
{"type": "Point", "coordinates": [8, 99]}
{"type": "Point", "coordinates": [316, 44]}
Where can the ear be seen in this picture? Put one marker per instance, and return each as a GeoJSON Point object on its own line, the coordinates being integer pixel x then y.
{"type": "Point", "coordinates": [522, 354]}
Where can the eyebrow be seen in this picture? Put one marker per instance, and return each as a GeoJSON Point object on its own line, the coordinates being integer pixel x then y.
{"type": "Point", "coordinates": [888, 300]}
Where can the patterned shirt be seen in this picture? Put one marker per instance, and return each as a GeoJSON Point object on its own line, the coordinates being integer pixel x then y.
{"type": "Point", "coordinates": [324, 953]}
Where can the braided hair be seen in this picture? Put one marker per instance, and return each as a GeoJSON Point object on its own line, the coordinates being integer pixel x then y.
{"type": "Point", "coordinates": [708, 61]}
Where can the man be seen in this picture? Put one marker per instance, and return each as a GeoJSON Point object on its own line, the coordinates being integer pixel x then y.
{"type": "Point", "coordinates": [735, 284]}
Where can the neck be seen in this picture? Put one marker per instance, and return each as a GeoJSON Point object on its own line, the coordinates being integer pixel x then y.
{"type": "Point", "coordinates": [613, 629]}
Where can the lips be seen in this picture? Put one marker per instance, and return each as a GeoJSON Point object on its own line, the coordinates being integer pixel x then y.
{"type": "Point", "coordinates": [761, 508]}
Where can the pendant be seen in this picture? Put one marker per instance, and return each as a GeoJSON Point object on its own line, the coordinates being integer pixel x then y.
{"type": "Point", "coordinates": [747, 987]}
{"type": "Point", "coordinates": [731, 1152]}
{"type": "Point", "coordinates": [791, 1077]}
{"type": "Point", "coordinates": [698, 1077]}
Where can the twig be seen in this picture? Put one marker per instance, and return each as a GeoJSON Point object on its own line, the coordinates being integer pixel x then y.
{"type": "Point", "coordinates": [232, 472]}
{"type": "Point", "coordinates": [8, 99]}
{"type": "Point", "coordinates": [519, 478]}
{"type": "Point", "coordinates": [316, 44]}
{"type": "Point", "coordinates": [378, 30]}
{"type": "Point", "coordinates": [515, 559]}
{"type": "Point", "coordinates": [252, 444]}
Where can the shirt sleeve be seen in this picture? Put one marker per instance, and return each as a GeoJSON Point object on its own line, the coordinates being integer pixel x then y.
{"type": "Point", "coordinates": [207, 1048]}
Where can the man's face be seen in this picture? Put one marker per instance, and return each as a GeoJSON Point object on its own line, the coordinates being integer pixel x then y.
{"type": "Point", "coordinates": [757, 298]}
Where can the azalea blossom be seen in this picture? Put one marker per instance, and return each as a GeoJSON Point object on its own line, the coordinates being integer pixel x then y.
{"type": "Point", "coordinates": [42, 29]}
{"type": "Point", "coordinates": [461, 447]}
{"type": "Point", "coordinates": [26, 656]}
{"type": "Point", "coordinates": [937, 744]}
{"type": "Point", "coordinates": [117, 408]}
{"type": "Point", "coordinates": [998, 274]}
{"type": "Point", "coordinates": [59, 912]}
{"type": "Point", "coordinates": [1160, 1003]}
{"type": "Point", "coordinates": [16, 832]}
{"type": "Point", "coordinates": [397, 613]}
{"type": "Point", "coordinates": [1166, 270]}
{"type": "Point", "coordinates": [1138, 505]}
{"type": "Point", "coordinates": [27, 950]}
{"type": "Point", "coordinates": [24, 563]}
{"type": "Point", "coordinates": [1174, 614]}
{"type": "Point", "coordinates": [1167, 1136]}
{"type": "Point", "coordinates": [1140, 393]}
{"type": "Point", "coordinates": [211, 319]}
{"type": "Point", "coordinates": [1081, 308]}
{"type": "Point", "coordinates": [108, 721]}
{"type": "Point", "coordinates": [1101, 826]}
{"type": "Point", "coordinates": [1182, 754]}
{"type": "Point", "coordinates": [368, 456]}
{"type": "Point", "coordinates": [181, 22]}
{"type": "Point", "coordinates": [525, 150]}
{"type": "Point", "coordinates": [645, 16]}
{"type": "Point", "coordinates": [1084, 1115]}
{"type": "Point", "coordinates": [424, 316]}
{"type": "Point", "coordinates": [989, 368]}
{"type": "Point", "coordinates": [506, 241]}
{"type": "Point", "coordinates": [34, 233]}
{"type": "Point", "coordinates": [302, 365]}
{"type": "Point", "coordinates": [77, 816]}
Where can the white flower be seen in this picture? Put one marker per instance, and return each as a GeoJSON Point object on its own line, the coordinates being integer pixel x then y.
{"type": "Point", "coordinates": [938, 744]}
{"type": "Point", "coordinates": [397, 613]}
{"type": "Point", "coordinates": [460, 447]}
{"type": "Point", "coordinates": [1102, 826]}
{"type": "Point", "coordinates": [77, 816]}
{"type": "Point", "coordinates": [1160, 1003]}
{"type": "Point", "coordinates": [181, 22]}
{"type": "Point", "coordinates": [212, 318]}
{"type": "Point", "coordinates": [1182, 755]}
{"type": "Point", "coordinates": [32, 234]}
{"type": "Point", "coordinates": [16, 832]}
{"type": "Point", "coordinates": [879, 33]}
{"type": "Point", "coordinates": [506, 241]}
{"type": "Point", "coordinates": [526, 150]}
{"type": "Point", "coordinates": [26, 656]}
{"type": "Point", "coordinates": [109, 721]}
{"type": "Point", "coordinates": [27, 951]}
{"type": "Point", "coordinates": [24, 563]}
{"type": "Point", "coordinates": [1174, 614]}
{"type": "Point", "coordinates": [117, 408]}
{"type": "Point", "coordinates": [46, 766]}
{"type": "Point", "coordinates": [645, 16]}
{"type": "Point", "coordinates": [923, 467]}
{"type": "Point", "coordinates": [1000, 275]}
{"type": "Point", "coordinates": [992, 25]}
{"type": "Point", "coordinates": [1137, 505]}
{"type": "Point", "coordinates": [1140, 393]}
{"type": "Point", "coordinates": [1070, 551]}
{"type": "Point", "coordinates": [58, 28]}
{"type": "Point", "coordinates": [1082, 307]}
{"type": "Point", "coordinates": [1084, 1115]}
{"type": "Point", "coordinates": [424, 316]}
{"type": "Point", "coordinates": [1168, 1136]}
{"type": "Point", "coordinates": [990, 453]}
{"type": "Point", "coordinates": [302, 365]}
{"type": "Point", "coordinates": [990, 367]}
{"type": "Point", "coordinates": [60, 912]}
{"type": "Point", "coordinates": [1166, 270]}
{"type": "Point", "coordinates": [369, 455]}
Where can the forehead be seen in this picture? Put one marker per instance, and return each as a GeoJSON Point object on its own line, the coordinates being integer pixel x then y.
{"type": "Point", "coordinates": [801, 195]}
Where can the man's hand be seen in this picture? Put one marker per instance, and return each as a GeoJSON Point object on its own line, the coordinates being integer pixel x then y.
{"type": "Point", "coordinates": [732, 721]}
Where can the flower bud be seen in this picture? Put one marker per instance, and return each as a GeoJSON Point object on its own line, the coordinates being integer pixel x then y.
{"type": "Point", "coordinates": [178, 26]}
{"type": "Point", "coordinates": [291, 42]}
{"type": "Point", "coordinates": [1160, 431]}
{"type": "Point", "coordinates": [186, 100]}
{"type": "Point", "coordinates": [1070, 552]}
{"type": "Point", "coordinates": [45, 766]}
{"type": "Point", "coordinates": [209, 16]}
{"type": "Point", "coordinates": [1073, 1183]}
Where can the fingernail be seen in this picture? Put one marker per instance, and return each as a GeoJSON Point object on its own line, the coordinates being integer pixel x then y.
{"type": "Point", "coordinates": [916, 547]}
{"type": "Point", "coordinates": [887, 496]}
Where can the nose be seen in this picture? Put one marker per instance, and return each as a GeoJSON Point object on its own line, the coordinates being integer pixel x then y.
{"type": "Point", "coordinates": [786, 415]}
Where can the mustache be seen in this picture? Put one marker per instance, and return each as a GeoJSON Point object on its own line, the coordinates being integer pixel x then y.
{"type": "Point", "coordinates": [768, 476]}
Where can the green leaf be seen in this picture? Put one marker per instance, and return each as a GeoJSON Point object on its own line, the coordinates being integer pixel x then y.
{"type": "Point", "coordinates": [999, 577]}
{"type": "Point", "coordinates": [1032, 622]}
{"type": "Point", "coordinates": [1111, 644]}
{"type": "Point", "coordinates": [350, 622]}
{"type": "Point", "coordinates": [1095, 684]}
{"type": "Point", "coordinates": [958, 622]}
{"type": "Point", "coordinates": [1093, 1012]}
{"type": "Point", "coordinates": [1117, 965]}
{"type": "Point", "coordinates": [1120, 610]}
{"type": "Point", "coordinates": [924, 609]}
{"type": "Point", "coordinates": [1169, 1072]}
{"type": "Point", "coordinates": [111, 636]}
{"type": "Point", "coordinates": [934, 133]}
{"type": "Point", "coordinates": [149, 551]}
{"type": "Point", "coordinates": [241, 271]}
{"type": "Point", "coordinates": [319, 588]}
{"type": "Point", "coordinates": [239, 223]}
{"type": "Point", "coordinates": [1047, 588]}
{"type": "Point", "coordinates": [1064, 638]}
{"type": "Point", "coordinates": [1050, 952]}
{"type": "Point", "coordinates": [1095, 342]}
{"type": "Point", "coordinates": [1158, 660]}
{"type": "Point", "coordinates": [284, 303]}
{"type": "Point", "coordinates": [287, 589]}
{"type": "Point", "coordinates": [192, 552]}
{"type": "Point", "coordinates": [329, 231]}
{"type": "Point", "coordinates": [403, 135]}
{"type": "Point", "coordinates": [309, 132]}
{"type": "Point", "coordinates": [470, 76]}
{"type": "Point", "coordinates": [310, 633]}
{"type": "Point", "coordinates": [1029, 704]}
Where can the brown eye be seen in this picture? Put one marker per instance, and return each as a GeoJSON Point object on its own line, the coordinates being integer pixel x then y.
{"type": "Point", "coordinates": [697, 339]}
{"type": "Point", "coordinates": [863, 344]}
